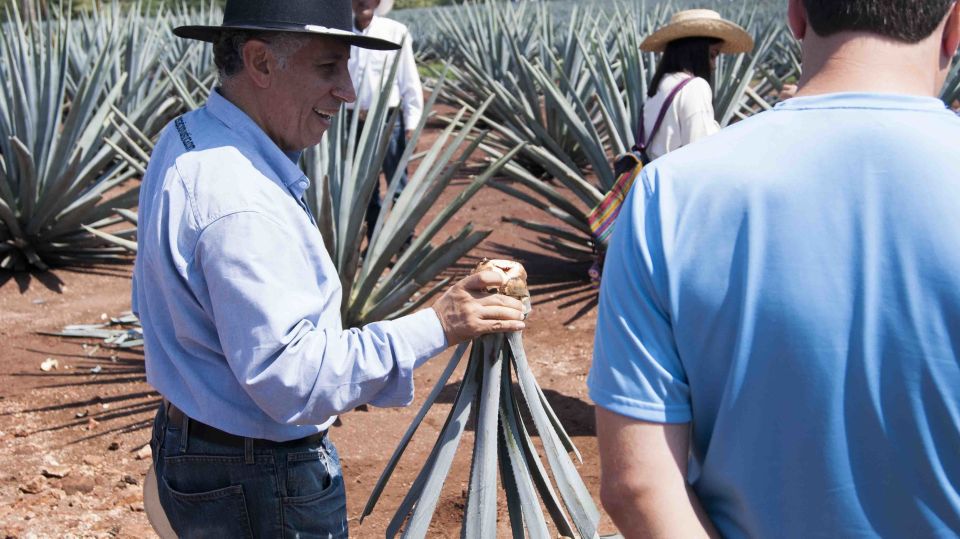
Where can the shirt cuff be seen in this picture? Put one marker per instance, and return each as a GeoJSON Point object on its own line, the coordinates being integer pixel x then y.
{"type": "Point", "coordinates": [424, 334]}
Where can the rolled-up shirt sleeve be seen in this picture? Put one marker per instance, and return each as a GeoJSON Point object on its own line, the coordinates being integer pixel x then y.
{"type": "Point", "coordinates": [277, 318]}
{"type": "Point", "coordinates": [636, 369]}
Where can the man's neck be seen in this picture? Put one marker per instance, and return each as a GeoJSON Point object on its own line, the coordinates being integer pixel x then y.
{"type": "Point", "coordinates": [248, 103]}
{"type": "Point", "coordinates": [862, 62]}
{"type": "Point", "coordinates": [360, 26]}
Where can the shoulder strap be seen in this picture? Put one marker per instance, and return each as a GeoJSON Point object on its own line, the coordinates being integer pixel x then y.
{"type": "Point", "coordinates": [641, 136]}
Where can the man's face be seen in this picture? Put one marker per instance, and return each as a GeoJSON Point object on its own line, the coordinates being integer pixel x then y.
{"type": "Point", "coordinates": [304, 96]}
{"type": "Point", "coordinates": [363, 11]}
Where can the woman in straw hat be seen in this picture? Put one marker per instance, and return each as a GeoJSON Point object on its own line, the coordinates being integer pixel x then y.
{"type": "Point", "coordinates": [681, 93]}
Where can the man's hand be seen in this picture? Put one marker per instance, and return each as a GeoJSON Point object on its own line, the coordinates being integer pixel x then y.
{"type": "Point", "coordinates": [467, 310]}
{"type": "Point", "coordinates": [787, 92]}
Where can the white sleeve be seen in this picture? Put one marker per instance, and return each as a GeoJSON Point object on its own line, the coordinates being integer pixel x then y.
{"type": "Point", "coordinates": [408, 79]}
{"type": "Point", "coordinates": [695, 112]}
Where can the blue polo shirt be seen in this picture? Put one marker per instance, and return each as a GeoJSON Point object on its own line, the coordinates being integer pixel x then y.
{"type": "Point", "coordinates": [791, 287]}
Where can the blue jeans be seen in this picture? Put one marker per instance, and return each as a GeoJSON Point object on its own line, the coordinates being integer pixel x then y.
{"type": "Point", "coordinates": [259, 490]}
{"type": "Point", "coordinates": [391, 161]}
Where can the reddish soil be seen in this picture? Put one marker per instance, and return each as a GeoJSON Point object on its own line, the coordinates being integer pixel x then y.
{"type": "Point", "coordinates": [91, 426]}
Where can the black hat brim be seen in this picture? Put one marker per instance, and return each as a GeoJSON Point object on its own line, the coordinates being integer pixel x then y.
{"type": "Point", "coordinates": [210, 34]}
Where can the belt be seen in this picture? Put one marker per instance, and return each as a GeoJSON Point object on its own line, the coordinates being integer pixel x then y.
{"type": "Point", "coordinates": [201, 431]}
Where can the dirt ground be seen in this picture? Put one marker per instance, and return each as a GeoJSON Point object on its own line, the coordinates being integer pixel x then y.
{"type": "Point", "coordinates": [71, 439]}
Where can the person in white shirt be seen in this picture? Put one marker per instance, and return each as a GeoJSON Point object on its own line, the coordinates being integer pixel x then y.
{"type": "Point", "coordinates": [690, 44]}
{"type": "Point", "coordinates": [368, 67]}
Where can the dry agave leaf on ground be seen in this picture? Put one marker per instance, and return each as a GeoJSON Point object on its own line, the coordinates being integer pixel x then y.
{"type": "Point", "coordinates": [502, 444]}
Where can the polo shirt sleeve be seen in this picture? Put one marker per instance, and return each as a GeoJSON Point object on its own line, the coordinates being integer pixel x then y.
{"type": "Point", "coordinates": [636, 368]}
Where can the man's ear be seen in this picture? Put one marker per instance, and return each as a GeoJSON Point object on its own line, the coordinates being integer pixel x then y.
{"type": "Point", "coordinates": [797, 18]}
{"type": "Point", "coordinates": [259, 62]}
{"type": "Point", "coordinates": [951, 32]}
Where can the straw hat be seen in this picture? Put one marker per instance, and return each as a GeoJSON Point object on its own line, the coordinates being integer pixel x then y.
{"type": "Point", "coordinates": [151, 505]}
{"type": "Point", "coordinates": [384, 7]}
{"type": "Point", "coordinates": [700, 23]}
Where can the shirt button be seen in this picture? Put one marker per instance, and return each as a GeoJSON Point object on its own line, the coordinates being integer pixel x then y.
{"type": "Point", "coordinates": [303, 184]}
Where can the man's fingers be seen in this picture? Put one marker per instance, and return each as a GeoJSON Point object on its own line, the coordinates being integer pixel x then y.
{"type": "Point", "coordinates": [499, 313]}
{"type": "Point", "coordinates": [500, 300]}
{"type": "Point", "coordinates": [504, 326]}
{"type": "Point", "coordinates": [482, 280]}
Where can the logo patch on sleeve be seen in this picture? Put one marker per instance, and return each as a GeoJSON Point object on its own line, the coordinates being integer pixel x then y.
{"type": "Point", "coordinates": [185, 137]}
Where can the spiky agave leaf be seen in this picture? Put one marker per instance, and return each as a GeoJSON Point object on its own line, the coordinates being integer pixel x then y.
{"type": "Point", "coordinates": [384, 282]}
{"type": "Point", "coordinates": [951, 89]}
{"type": "Point", "coordinates": [501, 443]}
{"type": "Point", "coordinates": [56, 174]}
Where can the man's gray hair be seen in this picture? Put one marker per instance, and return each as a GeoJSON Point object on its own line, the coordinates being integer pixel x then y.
{"type": "Point", "coordinates": [228, 48]}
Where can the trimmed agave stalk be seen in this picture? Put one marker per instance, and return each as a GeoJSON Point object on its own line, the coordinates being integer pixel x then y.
{"type": "Point", "coordinates": [502, 444]}
{"type": "Point", "coordinates": [56, 178]}
{"type": "Point", "coordinates": [386, 281]}
{"type": "Point", "coordinates": [951, 90]}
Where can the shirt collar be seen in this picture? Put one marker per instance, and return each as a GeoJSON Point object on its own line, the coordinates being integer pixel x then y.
{"type": "Point", "coordinates": [863, 100]}
{"type": "Point", "coordinates": [281, 163]}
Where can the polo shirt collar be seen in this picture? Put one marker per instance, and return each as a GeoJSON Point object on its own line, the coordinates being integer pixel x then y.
{"type": "Point", "coordinates": [864, 100]}
{"type": "Point", "coordinates": [283, 164]}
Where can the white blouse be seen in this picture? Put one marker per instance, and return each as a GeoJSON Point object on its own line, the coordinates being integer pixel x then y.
{"type": "Point", "coordinates": [689, 118]}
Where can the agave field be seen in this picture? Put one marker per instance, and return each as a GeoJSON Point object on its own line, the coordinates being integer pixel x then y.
{"type": "Point", "coordinates": [542, 93]}
{"type": "Point", "coordinates": [570, 82]}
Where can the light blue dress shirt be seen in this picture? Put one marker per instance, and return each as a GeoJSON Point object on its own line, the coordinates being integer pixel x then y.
{"type": "Point", "coordinates": [239, 300]}
{"type": "Point", "coordinates": [791, 287]}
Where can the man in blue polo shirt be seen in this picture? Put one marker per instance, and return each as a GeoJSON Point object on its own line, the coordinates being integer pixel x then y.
{"type": "Point", "coordinates": [779, 330]}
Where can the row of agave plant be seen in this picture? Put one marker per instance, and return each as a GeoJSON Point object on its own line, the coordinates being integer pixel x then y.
{"type": "Point", "coordinates": [82, 99]}
{"type": "Point", "coordinates": [545, 93]}
{"type": "Point", "coordinates": [69, 89]}
{"type": "Point", "coordinates": [570, 82]}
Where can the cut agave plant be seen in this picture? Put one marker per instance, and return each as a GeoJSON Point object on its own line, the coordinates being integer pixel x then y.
{"type": "Point", "coordinates": [502, 443]}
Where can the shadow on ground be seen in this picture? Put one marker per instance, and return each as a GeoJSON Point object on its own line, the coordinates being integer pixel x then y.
{"type": "Point", "coordinates": [576, 415]}
{"type": "Point", "coordinates": [97, 409]}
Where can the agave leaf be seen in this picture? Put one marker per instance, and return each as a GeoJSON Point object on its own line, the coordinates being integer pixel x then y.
{"type": "Point", "coordinates": [515, 466]}
{"type": "Point", "coordinates": [128, 215]}
{"type": "Point", "coordinates": [126, 244]}
{"type": "Point", "coordinates": [28, 178]}
{"type": "Point", "coordinates": [480, 520]}
{"type": "Point", "coordinates": [412, 429]}
{"type": "Point", "coordinates": [558, 427]}
{"type": "Point", "coordinates": [437, 467]}
{"type": "Point", "coordinates": [510, 488]}
{"type": "Point", "coordinates": [577, 499]}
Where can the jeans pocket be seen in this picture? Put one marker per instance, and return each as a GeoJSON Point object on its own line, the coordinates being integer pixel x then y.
{"type": "Point", "coordinates": [316, 501]}
{"type": "Point", "coordinates": [308, 474]}
{"type": "Point", "coordinates": [211, 514]}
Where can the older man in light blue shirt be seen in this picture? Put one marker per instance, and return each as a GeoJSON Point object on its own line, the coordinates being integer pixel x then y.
{"type": "Point", "coordinates": [240, 302]}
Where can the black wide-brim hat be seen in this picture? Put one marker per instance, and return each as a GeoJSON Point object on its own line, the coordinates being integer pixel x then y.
{"type": "Point", "coordinates": [333, 18]}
